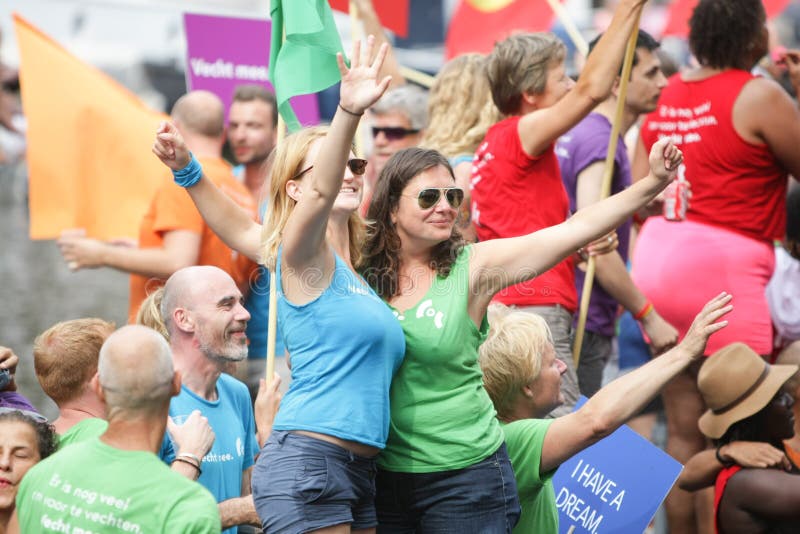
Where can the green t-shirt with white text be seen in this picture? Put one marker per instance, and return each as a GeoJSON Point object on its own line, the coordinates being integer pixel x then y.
{"type": "Point", "coordinates": [92, 487]}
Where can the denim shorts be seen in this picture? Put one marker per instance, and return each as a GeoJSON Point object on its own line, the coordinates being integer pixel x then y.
{"type": "Point", "coordinates": [302, 484]}
{"type": "Point", "coordinates": [479, 498]}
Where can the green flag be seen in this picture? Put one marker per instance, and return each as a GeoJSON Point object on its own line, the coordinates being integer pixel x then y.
{"type": "Point", "coordinates": [302, 57]}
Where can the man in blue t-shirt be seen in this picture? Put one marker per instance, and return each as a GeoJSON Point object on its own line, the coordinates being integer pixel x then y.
{"type": "Point", "coordinates": [581, 155]}
{"type": "Point", "coordinates": [205, 316]}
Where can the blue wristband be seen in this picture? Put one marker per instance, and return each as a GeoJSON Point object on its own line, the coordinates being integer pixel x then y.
{"type": "Point", "coordinates": [189, 175]}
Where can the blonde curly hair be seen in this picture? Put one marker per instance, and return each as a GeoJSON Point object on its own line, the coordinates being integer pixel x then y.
{"type": "Point", "coordinates": [460, 107]}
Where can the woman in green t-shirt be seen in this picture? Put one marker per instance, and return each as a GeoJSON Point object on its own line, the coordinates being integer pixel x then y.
{"type": "Point", "coordinates": [445, 466]}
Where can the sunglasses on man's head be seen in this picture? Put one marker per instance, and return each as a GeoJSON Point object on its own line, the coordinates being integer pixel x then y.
{"type": "Point", "coordinates": [357, 166]}
{"type": "Point", "coordinates": [392, 133]}
{"type": "Point", "coordinates": [429, 197]}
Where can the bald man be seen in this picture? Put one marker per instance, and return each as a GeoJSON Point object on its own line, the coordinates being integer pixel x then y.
{"type": "Point", "coordinates": [116, 482]}
{"type": "Point", "coordinates": [172, 234]}
{"type": "Point", "coordinates": [203, 311]}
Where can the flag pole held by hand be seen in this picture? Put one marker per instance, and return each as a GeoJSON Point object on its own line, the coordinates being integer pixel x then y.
{"type": "Point", "coordinates": [608, 172]}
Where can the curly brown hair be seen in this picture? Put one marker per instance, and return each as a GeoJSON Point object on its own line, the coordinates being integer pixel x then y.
{"type": "Point", "coordinates": [724, 33]}
{"type": "Point", "coordinates": [46, 439]}
{"type": "Point", "coordinates": [380, 261]}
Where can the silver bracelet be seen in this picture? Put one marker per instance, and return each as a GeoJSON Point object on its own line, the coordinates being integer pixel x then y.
{"type": "Point", "coordinates": [190, 456]}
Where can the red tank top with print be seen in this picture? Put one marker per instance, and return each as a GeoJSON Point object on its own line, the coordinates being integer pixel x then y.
{"type": "Point", "coordinates": [735, 184]}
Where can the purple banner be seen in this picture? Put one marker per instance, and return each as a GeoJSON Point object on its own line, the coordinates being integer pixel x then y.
{"type": "Point", "coordinates": [223, 52]}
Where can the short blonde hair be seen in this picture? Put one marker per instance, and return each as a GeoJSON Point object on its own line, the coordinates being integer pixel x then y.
{"type": "Point", "coordinates": [149, 313]}
{"type": "Point", "coordinates": [286, 162]}
{"type": "Point", "coordinates": [521, 63]}
{"type": "Point", "coordinates": [511, 356]}
{"type": "Point", "coordinates": [460, 107]}
{"type": "Point", "coordinates": [65, 356]}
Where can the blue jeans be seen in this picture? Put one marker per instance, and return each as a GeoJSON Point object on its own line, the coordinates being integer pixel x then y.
{"type": "Point", "coordinates": [479, 498]}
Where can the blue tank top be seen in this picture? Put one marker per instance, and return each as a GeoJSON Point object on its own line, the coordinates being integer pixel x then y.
{"type": "Point", "coordinates": [345, 346]}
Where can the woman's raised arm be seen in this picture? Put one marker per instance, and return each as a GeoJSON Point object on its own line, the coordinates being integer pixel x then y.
{"type": "Point", "coordinates": [232, 223]}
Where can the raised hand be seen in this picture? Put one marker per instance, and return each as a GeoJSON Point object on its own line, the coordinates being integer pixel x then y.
{"type": "Point", "coordinates": [706, 324]}
{"type": "Point", "coordinates": [170, 147]}
{"type": "Point", "coordinates": [665, 158]}
{"type": "Point", "coordinates": [360, 86]}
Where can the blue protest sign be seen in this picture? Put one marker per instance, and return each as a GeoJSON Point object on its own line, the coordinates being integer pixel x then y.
{"type": "Point", "coordinates": [614, 486]}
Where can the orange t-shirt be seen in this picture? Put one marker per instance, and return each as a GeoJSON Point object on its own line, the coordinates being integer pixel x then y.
{"type": "Point", "coordinates": [172, 209]}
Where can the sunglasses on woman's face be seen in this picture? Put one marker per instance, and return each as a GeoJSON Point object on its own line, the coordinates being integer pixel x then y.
{"type": "Point", "coordinates": [429, 197]}
{"type": "Point", "coordinates": [357, 166]}
{"type": "Point", "coordinates": [392, 133]}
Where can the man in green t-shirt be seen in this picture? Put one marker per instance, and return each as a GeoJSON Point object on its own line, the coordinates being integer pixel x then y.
{"type": "Point", "coordinates": [523, 377]}
{"type": "Point", "coordinates": [116, 482]}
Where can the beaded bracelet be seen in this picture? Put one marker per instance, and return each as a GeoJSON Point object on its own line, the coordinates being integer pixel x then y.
{"type": "Point", "coordinates": [189, 175]}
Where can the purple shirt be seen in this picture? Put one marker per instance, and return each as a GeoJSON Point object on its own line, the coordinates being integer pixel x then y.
{"type": "Point", "coordinates": [585, 144]}
{"type": "Point", "coordinates": [12, 399]}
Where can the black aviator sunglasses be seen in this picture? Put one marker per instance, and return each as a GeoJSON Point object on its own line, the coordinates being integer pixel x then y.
{"type": "Point", "coordinates": [357, 166]}
{"type": "Point", "coordinates": [392, 133]}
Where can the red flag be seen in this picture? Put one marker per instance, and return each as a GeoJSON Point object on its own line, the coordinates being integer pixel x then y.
{"type": "Point", "coordinates": [393, 14]}
{"type": "Point", "coordinates": [478, 24]}
{"type": "Point", "coordinates": [680, 11]}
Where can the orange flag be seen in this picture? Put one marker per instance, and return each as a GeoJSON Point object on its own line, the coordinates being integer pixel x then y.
{"type": "Point", "coordinates": [89, 141]}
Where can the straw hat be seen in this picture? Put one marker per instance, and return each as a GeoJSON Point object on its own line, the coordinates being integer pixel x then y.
{"type": "Point", "coordinates": [736, 383]}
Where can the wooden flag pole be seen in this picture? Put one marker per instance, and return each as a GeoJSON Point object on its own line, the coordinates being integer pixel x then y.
{"type": "Point", "coordinates": [608, 173]}
{"type": "Point", "coordinates": [272, 319]}
{"type": "Point", "coordinates": [569, 26]}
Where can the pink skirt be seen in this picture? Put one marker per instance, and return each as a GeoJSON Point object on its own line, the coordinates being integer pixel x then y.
{"type": "Point", "coordinates": [680, 266]}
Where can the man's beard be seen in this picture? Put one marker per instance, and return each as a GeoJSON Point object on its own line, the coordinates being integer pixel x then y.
{"type": "Point", "coordinates": [234, 354]}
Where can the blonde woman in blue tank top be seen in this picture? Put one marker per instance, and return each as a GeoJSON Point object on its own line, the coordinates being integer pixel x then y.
{"type": "Point", "coordinates": [316, 470]}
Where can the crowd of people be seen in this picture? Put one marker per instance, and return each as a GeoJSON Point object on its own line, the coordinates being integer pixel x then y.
{"type": "Point", "coordinates": [426, 301]}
